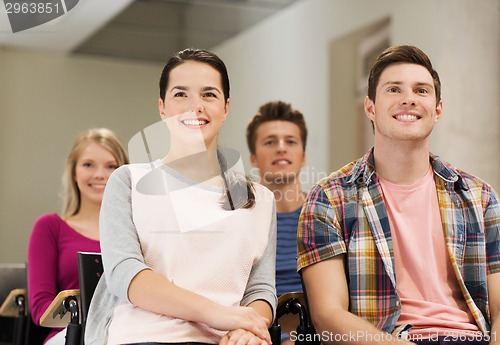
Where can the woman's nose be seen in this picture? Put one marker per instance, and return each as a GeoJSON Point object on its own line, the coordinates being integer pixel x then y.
{"type": "Point", "coordinates": [100, 173]}
{"type": "Point", "coordinates": [197, 105]}
{"type": "Point", "coordinates": [199, 108]}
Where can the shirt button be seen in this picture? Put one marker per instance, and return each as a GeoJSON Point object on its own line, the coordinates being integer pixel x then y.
{"type": "Point", "coordinates": [397, 303]}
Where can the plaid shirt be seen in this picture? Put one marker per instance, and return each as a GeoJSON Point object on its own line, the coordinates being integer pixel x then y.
{"type": "Point", "coordinates": [345, 214]}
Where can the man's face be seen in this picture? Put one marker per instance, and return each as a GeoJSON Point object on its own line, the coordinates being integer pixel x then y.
{"type": "Point", "coordinates": [279, 152]}
{"type": "Point", "coordinates": [405, 108]}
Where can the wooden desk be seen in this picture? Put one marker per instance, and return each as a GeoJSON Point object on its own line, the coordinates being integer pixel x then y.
{"type": "Point", "coordinates": [56, 315]}
{"type": "Point", "coordinates": [9, 307]}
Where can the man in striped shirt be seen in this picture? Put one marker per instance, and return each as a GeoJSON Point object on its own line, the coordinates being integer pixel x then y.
{"type": "Point", "coordinates": [276, 138]}
{"type": "Point", "coordinates": [399, 246]}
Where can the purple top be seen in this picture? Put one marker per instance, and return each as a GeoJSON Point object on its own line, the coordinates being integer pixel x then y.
{"type": "Point", "coordinates": [53, 262]}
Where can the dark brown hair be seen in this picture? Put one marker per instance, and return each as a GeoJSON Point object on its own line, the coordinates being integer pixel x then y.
{"type": "Point", "coordinates": [239, 191]}
{"type": "Point", "coordinates": [198, 55]}
{"type": "Point", "coordinates": [401, 54]}
{"type": "Point", "coordinates": [275, 111]}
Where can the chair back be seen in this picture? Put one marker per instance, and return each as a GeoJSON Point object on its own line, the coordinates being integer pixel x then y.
{"type": "Point", "coordinates": [12, 276]}
{"type": "Point", "coordinates": [13, 302]}
{"type": "Point", "coordinates": [90, 270]}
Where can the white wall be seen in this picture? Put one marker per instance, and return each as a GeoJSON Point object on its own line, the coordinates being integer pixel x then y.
{"type": "Point", "coordinates": [469, 64]}
{"type": "Point", "coordinates": [287, 58]}
{"type": "Point", "coordinates": [45, 100]}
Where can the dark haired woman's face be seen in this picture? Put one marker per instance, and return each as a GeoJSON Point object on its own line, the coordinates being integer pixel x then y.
{"type": "Point", "coordinates": [194, 105]}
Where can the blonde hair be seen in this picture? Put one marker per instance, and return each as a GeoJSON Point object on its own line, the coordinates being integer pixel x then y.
{"type": "Point", "coordinates": [102, 136]}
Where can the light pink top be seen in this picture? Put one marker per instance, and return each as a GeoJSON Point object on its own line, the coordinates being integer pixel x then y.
{"type": "Point", "coordinates": [425, 280]}
{"type": "Point", "coordinates": [187, 237]}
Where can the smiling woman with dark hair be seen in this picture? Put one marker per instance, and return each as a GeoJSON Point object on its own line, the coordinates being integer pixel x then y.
{"type": "Point", "coordinates": [188, 245]}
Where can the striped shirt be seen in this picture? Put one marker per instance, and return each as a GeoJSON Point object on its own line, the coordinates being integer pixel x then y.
{"type": "Point", "coordinates": [287, 278]}
{"type": "Point", "coordinates": [345, 214]}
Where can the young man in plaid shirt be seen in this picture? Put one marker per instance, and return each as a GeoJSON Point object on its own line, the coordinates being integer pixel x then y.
{"type": "Point", "coordinates": [399, 246]}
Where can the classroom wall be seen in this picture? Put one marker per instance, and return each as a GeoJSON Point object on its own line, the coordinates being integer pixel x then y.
{"type": "Point", "coordinates": [46, 100]}
{"type": "Point", "coordinates": [462, 38]}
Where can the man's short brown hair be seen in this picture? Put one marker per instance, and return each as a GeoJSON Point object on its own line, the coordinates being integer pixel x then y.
{"type": "Point", "coordinates": [401, 54]}
{"type": "Point", "coordinates": [275, 111]}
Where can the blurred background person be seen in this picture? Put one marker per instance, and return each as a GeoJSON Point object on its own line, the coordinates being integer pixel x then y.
{"type": "Point", "coordinates": [276, 138]}
{"type": "Point", "coordinates": [56, 239]}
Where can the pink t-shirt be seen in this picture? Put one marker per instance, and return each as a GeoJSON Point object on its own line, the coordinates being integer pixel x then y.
{"type": "Point", "coordinates": [425, 281]}
{"type": "Point", "coordinates": [53, 262]}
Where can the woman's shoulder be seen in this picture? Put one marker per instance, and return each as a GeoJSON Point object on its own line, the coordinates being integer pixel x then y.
{"type": "Point", "coordinates": [262, 194]}
{"type": "Point", "coordinates": [127, 171]}
{"type": "Point", "coordinates": [124, 174]}
{"type": "Point", "coordinates": [261, 189]}
{"type": "Point", "coordinates": [49, 218]}
{"type": "Point", "coordinates": [48, 223]}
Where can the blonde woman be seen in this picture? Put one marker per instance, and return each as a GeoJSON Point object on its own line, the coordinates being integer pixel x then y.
{"type": "Point", "coordinates": [55, 240]}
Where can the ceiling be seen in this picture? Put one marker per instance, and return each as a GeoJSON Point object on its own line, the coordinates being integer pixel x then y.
{"type": "Point", "coordinates": [150, 30]}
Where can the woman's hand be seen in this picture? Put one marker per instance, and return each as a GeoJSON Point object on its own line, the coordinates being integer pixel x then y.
{"type": "Point", "coordinates": [180, 303]}
{"type": "Point", "coordinates": [242, 337]}
{"type": "Point", "coordinates": [237, 320]}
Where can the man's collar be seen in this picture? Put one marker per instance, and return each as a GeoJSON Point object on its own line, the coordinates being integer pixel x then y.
{"type": "Point", "coordinates": [365, 168]}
